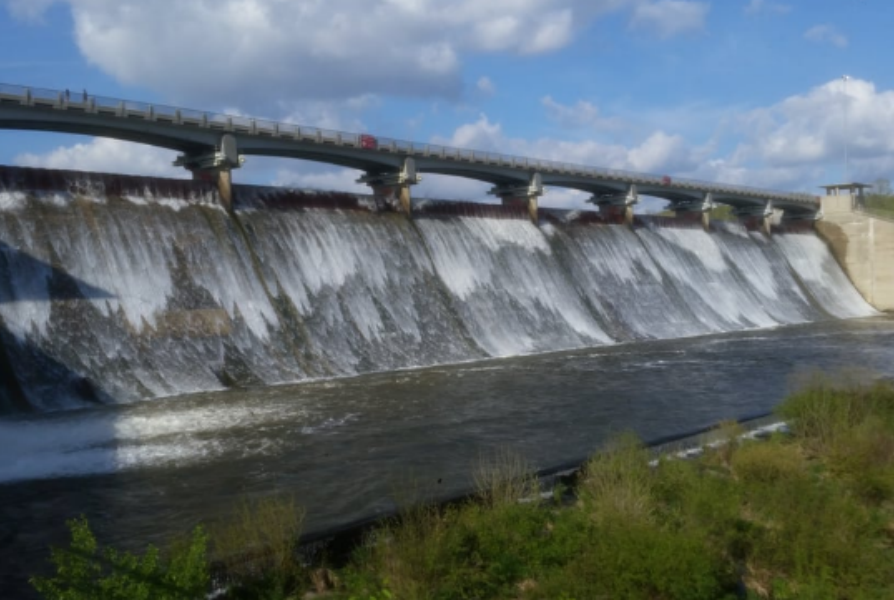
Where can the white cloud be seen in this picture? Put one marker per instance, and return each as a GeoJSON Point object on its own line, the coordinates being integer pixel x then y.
{"type": "Point", "coordinates": [669, 18]}
{"type": "Point", "coordinates": [251, 52]}
{"type": "Point", "coordinates": [318, 177]}
{"type": "Point", "coordinates": [661, 153]}
{"type": "Point", "coordinates": [106, 155]}
{"type": "Point", "coordinates": [800, 141]}
{"type": "Point", "coordinates": [758, 6]}
{"type": "Point", "coordinates": [658, 153]}
{"type": "Point", "coordinates": [29, 10]}
{"type": "Point", "coordinates": [581, 114]}
{"type": "Point", "coordinates": [826, 34]}
{"type": "Point", "coordinates": [486, 86]}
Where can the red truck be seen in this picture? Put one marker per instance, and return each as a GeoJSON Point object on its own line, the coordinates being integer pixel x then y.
{"type": "Point", "coordinates": [368, 142]}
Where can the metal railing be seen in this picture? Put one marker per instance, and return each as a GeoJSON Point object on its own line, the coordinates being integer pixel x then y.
{"type": "Point", "coordinates": [67, 100]}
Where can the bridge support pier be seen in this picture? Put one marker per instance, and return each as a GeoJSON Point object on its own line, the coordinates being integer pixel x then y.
{"type": "Point", "coordinates": [394, 188]}
{"type": "Point", "coordinates": [756, 217]}
{"type": "Point", "coordinates": [215, 166]}
{"type": "Point", "coordinates": [523, 195]}
{"type": "Point", "coordinates": [617, 207]}
{"type": "Point", "coordinates": [700, 208]}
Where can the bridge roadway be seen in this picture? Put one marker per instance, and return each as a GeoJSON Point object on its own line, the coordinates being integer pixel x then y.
{"type": "Point", "coordinates": [212, 144]}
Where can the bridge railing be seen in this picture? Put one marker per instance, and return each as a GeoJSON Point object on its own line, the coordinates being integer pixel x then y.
{"type": "Point", "coordinates": [249, 125]}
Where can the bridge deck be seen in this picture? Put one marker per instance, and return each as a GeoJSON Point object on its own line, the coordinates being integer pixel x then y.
{"type": "Point", "coordinates": [191, 130]}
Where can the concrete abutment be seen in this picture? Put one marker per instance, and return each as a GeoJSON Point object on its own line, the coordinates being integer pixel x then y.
{"type": "Point", "coordinates": [863, 245]}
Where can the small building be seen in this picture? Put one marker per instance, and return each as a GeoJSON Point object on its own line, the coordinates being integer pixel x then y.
{"type": "Point", "coordinates": [855, 190]}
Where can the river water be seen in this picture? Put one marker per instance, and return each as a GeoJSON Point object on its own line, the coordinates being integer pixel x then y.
{"type": "Point", "coordinates": [162, 359]}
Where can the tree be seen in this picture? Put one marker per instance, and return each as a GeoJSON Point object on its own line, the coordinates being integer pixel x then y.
{"type": "Point", "coordinates": [881, 187]}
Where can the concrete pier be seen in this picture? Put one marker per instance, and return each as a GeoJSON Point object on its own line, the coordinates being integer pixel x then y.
{"type": "Point", "coordinates": [215, 166]}
{"type": "Point", "coordinates": [514, 194]}
{"type": "Point", "coordinates": [756, 218]}
{"type": "Point", "coordinates": [617, 207]}
{"type": "Point", "coordinates": [696, 209]}
{"type": "Point", "coordinates": [393, 188]}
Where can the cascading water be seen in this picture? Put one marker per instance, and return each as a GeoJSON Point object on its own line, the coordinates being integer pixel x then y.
{"type": "Point", "coordinates": [115, 289]}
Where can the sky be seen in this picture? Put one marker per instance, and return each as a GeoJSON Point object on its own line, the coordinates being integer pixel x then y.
{"type": "Point", "coordinates": [750, 92]}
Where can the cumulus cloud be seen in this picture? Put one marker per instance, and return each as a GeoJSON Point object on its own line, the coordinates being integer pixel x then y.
{"type": "Point", "coordinates": [252, 51]}
{"type": "Point", "coordinates": [826, 34]}
{"type": "Point", "coordinates": [318, 177]}
{"type": "Point", "coordinates": [662, 153]}
{"type": "Point", "coordinates": [486, 86]}
{"type": "Point", "coordinates": [809, 127]}
{"type": "Point", "coordinates": [580, 114]}
{"type": "Point", "coordinates": [658, 153]}
{"type": "Point", "coordinates": [800, 141]}
{"type": "Point", "coordinates": [106, 155]}
{"type": "Point", "coordinates": [762, 6]}
{"type": "Point", "coordinates": [670, 18]}
{"type": "Point", "coordinates": [29, 10]}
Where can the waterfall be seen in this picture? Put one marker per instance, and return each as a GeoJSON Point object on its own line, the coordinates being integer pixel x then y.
{"type": "Point", "coordinates": [115, 289]}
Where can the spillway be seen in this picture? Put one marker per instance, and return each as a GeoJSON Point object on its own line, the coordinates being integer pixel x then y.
{"type": "Point", "coordinates": [116, 289]}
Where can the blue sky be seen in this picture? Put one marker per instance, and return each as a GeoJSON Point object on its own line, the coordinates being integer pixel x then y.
{"type": "Point", "coordinates": [743, 91]}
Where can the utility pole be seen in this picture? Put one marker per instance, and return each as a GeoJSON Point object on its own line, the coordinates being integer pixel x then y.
{"type": "Point", "coordinates": [847, 174]}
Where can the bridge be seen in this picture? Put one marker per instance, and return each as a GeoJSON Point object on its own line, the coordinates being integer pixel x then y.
{"type": "Point", "coordinates": [212, 145]}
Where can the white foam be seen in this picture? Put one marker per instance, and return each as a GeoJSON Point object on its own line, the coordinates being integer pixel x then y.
{"type": "Point", "coordinates": [137, 438]}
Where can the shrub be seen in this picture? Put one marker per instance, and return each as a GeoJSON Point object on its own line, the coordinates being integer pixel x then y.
{"type": "Point", "coordinates": [257, 543]}
{"type": "Point", "coordinates": [505, 478]}
{"type": "Point", "coordinates": [830, 406]}
{"type": "Point", "coordinates": [617, 482]}
{"type": "Point", "coordinates": [84, 571]}
{"type": "Point", "coordinates": [767, 463]}
{"type": "Point", "coordinates": [639, 560]}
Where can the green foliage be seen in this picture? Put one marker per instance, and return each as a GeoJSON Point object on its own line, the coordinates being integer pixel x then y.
{"type": "Point", "coordinates": [617, 482]}
{"type": "Point", "coordinates": [879, 204]}
{"type": "Point", "coordinates": [723, 212]}
{"type": "Point", "coordinates": [504, 479]}
{"type": "Point", "coordinates": [830, 407]}
{"type": "Point", "coordinates": [84, 571]}
{"type": "Point", "coordinates": [256, 545]}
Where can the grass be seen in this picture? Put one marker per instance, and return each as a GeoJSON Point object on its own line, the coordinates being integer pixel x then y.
{"type": "Point", "coordinates": [805, 515]}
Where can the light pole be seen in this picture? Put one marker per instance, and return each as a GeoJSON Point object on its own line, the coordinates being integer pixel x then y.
{"type": "Point", "coordinates": [847, 175]}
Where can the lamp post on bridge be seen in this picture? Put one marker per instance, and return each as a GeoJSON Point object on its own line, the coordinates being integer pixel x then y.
{"type": "Point", "coordinates": [847, 175]}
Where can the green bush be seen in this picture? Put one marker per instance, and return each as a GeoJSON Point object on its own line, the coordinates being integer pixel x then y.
{"type": "Point", "coordinates": [641, 561]}
{"type": "Point", "coordinates": [617, 482]}
{"type": "Point", "coordinates": [830, 406]}
{"type": "Point", "coordinates": [767, 463]}
{"type": "Point", "coordinates": [84, 571]}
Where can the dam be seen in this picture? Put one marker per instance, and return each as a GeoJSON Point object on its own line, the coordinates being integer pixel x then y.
{"type": "Point", "coordinates": [164, 355]}
{"type": "Point", "coordinates": [117, 289]}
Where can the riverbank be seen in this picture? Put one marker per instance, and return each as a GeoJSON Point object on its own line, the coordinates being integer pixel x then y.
{"type": "Point", "coordinates": [803, 514]}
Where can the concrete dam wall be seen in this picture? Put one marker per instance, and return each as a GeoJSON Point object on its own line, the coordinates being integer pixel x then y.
{"type": "Point", "coordinates": [116, 289]}
{"type": "Point", "coordinates": [863, 244]}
